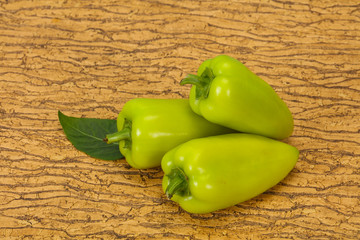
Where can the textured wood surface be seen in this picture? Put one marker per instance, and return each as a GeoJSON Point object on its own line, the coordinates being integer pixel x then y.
{"type": "Point", "coordinates": [87, 58]}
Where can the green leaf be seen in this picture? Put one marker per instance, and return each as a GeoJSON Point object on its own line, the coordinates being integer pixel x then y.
{"type": "Point", "coordinates": [87, 135]}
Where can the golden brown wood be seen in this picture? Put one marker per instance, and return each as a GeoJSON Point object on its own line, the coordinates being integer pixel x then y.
{"type": "Point", "coordinates": [87, 58]}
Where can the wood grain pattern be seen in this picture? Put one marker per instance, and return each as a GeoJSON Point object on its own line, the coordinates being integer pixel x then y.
{"type": "Point", "coordinates": [87, 58]}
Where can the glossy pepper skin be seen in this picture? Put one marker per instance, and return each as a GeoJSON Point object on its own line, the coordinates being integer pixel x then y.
{"type": "Point", "coordinates": [227, 93]}
{"type": "Point", "coordinates": [212, 173]}
{"type": "Point", "coordinates": [148, 128]}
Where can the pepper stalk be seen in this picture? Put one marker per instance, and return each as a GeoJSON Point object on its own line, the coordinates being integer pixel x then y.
{"type": "Point", "coordinates": [178, 183]}
{"type": "Point", "coordinates": [202, 82]}
{"type": "Point", "coordinates": [123, 134]}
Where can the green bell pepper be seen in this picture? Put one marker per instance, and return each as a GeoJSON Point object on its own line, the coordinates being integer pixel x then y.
{"type": "Point", "coordinates": [212, 173]}
{"type": "Point", "coordinates": [225, 92]}
{"type": "Point", "coordinates": [148, 128]}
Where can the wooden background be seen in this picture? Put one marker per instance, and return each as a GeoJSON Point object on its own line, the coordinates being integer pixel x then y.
{"type": "Point", "coordinates": [87, 58]}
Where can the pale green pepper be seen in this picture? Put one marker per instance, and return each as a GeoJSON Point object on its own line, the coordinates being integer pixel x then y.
{"type": "Point", "coordinates": [225, 92]}
{"type": "Point", "coordinates": [148, 128]}
{"type": "Point", "coordinates": [212, 173]}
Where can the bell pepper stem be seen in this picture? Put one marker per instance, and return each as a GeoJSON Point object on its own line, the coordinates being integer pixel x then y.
{"type": "Point", "coordinates": [125, 133]}
{"type": "Point", "coordinates": [178, 183]}
{"type": "Point", "coordinates": [202, 82]}
{"type": "Point", "coordinates": [192, 79]}
{"type": "Point", "coordinates": [208, 74]}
